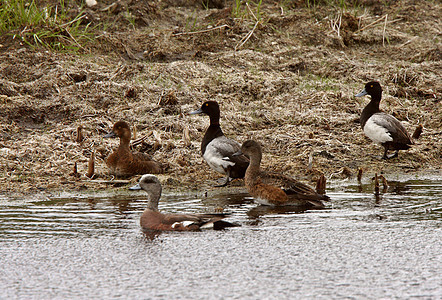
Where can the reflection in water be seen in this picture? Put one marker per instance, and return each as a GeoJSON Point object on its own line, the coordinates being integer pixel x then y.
{"type": "Point", "coordinates": [261, 210]}
{"type": "Point", "coordinates": [91, 246]}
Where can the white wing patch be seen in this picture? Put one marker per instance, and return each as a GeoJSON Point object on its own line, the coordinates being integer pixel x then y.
{"type": "Point", "coordinates": [184, 223]}
{"type": "Point", "coordinates": [208, 225]}
{"type": "Point", "coordinates": [377, 133]}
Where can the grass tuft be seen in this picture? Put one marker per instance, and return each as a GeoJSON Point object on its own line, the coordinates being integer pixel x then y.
{"type": "Point", "coordinates": [48, 26]}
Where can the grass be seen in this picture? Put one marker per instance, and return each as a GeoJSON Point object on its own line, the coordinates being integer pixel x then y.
{"type": "Point", "coordinates": [242, 9]}
{"type": "Point", "coordinates": [48, 26]}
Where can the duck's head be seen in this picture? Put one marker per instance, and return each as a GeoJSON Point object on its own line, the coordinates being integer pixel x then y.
{"type": "Point", "coordinates": [152, 185]}
{"type": "Point", "coordinates": [251, 149]}
{"type": "Point", "coordinates": [372, 88]}
{"type": "Point", "coordinates": [210, 108]}
{"type": "Point", "coordinates": [121, 129]}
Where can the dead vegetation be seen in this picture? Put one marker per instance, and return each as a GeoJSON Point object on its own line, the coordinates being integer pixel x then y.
{"type": "Point", "coordinates": [290, 86]}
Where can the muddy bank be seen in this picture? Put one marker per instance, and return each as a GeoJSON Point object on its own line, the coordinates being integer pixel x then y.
{"type": "Point", "coordinates": [290, 86]}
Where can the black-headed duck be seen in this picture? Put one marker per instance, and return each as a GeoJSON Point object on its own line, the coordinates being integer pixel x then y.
{"type": "Point", "coordinates": [276, 189]}
{"type": "Point", "coordinates": [217, 149]}
{"type": "Point", "coordinates": [152, 219]}
{"type": "Point", "coordinates": [380, 127]}
{"type": "Point", "coordinates": [124, 162]}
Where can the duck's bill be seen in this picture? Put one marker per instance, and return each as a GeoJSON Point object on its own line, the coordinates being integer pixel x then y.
{"type": "Point", "coordinates": [110, 135]}
{"type": "Point", "coordinates": [135, 187]}
{"type": "Point", "coordinates": [195, 112]}
{"type": "Point", "coordinates": [363, 93]}
{"type": "Point", "coordinates": [239, 153]}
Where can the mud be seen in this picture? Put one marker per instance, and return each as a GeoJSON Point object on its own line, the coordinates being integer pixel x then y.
{"type": "Point", "coordinates": [290, 85]}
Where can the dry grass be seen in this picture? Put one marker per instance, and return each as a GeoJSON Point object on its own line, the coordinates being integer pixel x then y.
{"type": "Point", "coordinates": [288, 88]}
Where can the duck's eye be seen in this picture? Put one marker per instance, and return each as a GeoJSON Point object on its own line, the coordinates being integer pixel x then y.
{"type": "Point", "coordinates": [371, 85]}
{"type": "Point", "coordinates": [207, 104]}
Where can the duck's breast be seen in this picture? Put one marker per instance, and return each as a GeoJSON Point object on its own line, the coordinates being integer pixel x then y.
{"type": "Point", "coordinates": [379, 128]}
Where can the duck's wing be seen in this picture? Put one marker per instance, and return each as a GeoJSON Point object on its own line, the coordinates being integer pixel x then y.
{"type": "Point", "coordinates": [293, 188]}
{"type": "Point", "coordinates": [394, 127]}
{"type": "Point", "coordinates": [219, 153]}
{"type": "Point", "coordinates": [197, 221]}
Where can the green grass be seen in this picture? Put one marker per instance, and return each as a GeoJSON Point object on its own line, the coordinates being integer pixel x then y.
{"type": "Point", "coordinates": [48, 26]}
{"type": "Point", "coordinates": [246, 9]}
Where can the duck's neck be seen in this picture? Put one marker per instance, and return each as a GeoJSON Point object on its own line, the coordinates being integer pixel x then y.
{"type": "Point", "coordinates": [124, 142]}
{"type": "Point", "coordinates": [212, 132]}
{"type": "Point", "coordinates": [370, 109]}
{"type": "Point", "coordinates": [253, 169]}
{"type": "Point", "coordinates": [154, 197]}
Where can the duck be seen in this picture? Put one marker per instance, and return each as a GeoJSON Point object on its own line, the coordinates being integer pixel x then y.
{"type": "Point", "coordinates": [122, 161]}
{"type": "Point", "coordinates": [217, 150]}
{"type": "Point", "coordinates": [273, 188]}
{"type": "Point", "coordinates": [153, 220]}
{"type": "Point", "coordinates": [380, 127]}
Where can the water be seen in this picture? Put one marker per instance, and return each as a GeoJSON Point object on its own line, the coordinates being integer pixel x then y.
{"type": "Point", "coordinates": [90, 246]}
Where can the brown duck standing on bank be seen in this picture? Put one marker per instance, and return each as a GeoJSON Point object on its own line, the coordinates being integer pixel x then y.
{"type": "Point", "coordinates": [124, 162]}
{"type": "Point", "coordinates": [380, 127]}
{"type": "Point", "coordinates": [217, 149]}
{"type": "Point", "coordinates": [152, 219]}
{"type": "Point", "coordinates": [276, 189]}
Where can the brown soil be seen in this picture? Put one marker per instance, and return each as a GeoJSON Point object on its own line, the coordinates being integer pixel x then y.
{"type": "Point", "coordinates": [291, 86]}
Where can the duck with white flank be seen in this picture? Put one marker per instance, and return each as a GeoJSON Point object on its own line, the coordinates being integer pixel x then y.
{"type": "Point", "coordinates": [217, 149]}
{"type": "Point", "coordinates": [276, 189]}
{"type": "Point", "coordinates": [153, 220]}
{"type": "Point", "coordinates": [380, 127]}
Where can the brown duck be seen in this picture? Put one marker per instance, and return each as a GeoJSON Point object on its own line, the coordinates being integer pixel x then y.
{"type": "Point", "coordinates": [153, 220]}
{"type": "Point", "coordinates": [124, 162]}
{"type": "Point", "coordinates": [273, 188]}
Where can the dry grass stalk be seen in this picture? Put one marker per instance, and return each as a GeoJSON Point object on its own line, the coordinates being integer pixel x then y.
{"type": "Point", "coordinates": [91, 166]}
{"type": "Point", "coordinates": [385, 19]}
{"type": "Point", "coordinates": [336, 24]}
{"type": "Point", "coordinates": [384, 183]}
{"type": "Point", "coordinates": [201, 31]}
{"type": "Point", "coordinates": [310, 161]}
{"type": "Point", "coordinates": [321, 185]}
{"type": "Point", "coordinates": [139, 140]}
{"type": "Point", "coordinates": [75, 171]}
{"type": "Point", "coordinates": [383, 31]}
{"type": "Point", "coordinates": [80, 136]}
{"type": "Point", "coordinates": [360, 171]}
{"type": "Point", "coordinates": [376, 184]}
{"type": "Point", "coordinates": [186, 136]}
{"type": "Point", "coordinates": [246, 38]}
{"type": "Point", "coordinates": [134, 132]}
{"type": "Point", "coordinates": [417, 132]}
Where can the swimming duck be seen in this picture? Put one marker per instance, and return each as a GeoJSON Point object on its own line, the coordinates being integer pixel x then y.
{"type": "Point", "coordinates": [380, 127]}
{"type": "Point", "coordinates": [217, 149]}
{"type": "Point", "coordinates": [273, 188]}
{"type": "Point", "coordinates": [152, 219]}
{"type": "Point", "coordinates": [123, 162]}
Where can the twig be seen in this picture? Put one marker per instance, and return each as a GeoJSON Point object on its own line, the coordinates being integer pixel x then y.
{"type": "Point", "coordinates": [200, 31]}
{"type": "Point", "coordinates": [383, 32]}
{"type": "Point", "coordinates": [72, 37]}
{"type": "Point", "coordinates": [246, 38]}
{"type": "Point", "coordinates": [139, 140]}
{"type": "Point", "coordinates": [335, 26]}
{"type": "Point", "coordinates": [121, 181]}
{"type": "Point", "coordinates": [247, 4]}
{"type": "Point", "coordinates": [72, 21]}
{"type": "Point", "coordinates": [375, 22]}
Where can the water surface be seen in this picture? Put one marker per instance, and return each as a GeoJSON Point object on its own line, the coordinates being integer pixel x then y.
{"type": "Point", "coordinates": [90, 245]}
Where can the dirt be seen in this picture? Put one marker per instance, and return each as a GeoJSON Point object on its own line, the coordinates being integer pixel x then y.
{"type": "Point", "coordinates": [290, 86]}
